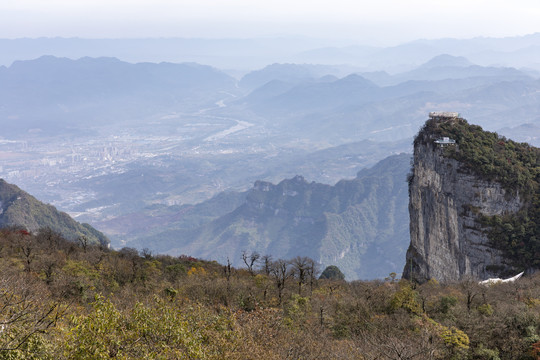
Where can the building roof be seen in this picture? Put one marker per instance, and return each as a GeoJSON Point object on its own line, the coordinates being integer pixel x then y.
{"type": "Point", "coordinates": [443, 114]}
{"type": "Point", "coordinates": [445, 141]}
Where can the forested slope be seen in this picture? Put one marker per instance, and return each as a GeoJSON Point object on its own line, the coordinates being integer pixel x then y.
{"type": "Point", "coordinates": [63, 301]}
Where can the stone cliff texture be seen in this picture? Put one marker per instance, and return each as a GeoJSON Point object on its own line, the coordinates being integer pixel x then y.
{"type": "Point", "coordinates": [446, 201]}
{"type": "Point", "coordinates": [359, 225]}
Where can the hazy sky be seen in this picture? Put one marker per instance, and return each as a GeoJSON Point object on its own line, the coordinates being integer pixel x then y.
{"type": "Point", "coordinates": [387, 21]}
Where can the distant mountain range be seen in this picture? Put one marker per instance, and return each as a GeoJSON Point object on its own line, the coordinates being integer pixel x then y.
{"type": "Point", "coordinates": [129, 147]}
{"type": "Point", "coordinates": [360, 225]}
{"type": "Point", "coordinates": [20, 209]}
{"type": "Point", "coordinates": [55, 95]}
{"type": "Point", "coordinates": [381, 106]}
{"type": "Point", "coordinates": [58, 95]}
{"type": "Point", "coordinates": [288, 73]}
{"type": "Point", "coordinates": [251, 53]}
{"type": "Point", "coordinates": [518, 51]}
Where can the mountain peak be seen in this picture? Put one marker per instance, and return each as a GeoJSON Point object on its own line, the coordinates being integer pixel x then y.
{"type": "Point", "coordinates": [446, 60]}
{"type": "Point", "coordinates": [356, 79]}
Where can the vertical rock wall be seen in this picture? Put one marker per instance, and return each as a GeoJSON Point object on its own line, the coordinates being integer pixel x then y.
{"type": "Point", "coordinates": [445, 203]}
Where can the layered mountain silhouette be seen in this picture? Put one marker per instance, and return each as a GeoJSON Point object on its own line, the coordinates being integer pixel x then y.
{"type": "Point", "coordinates": [54, 94]}
{"type": "Point", "coordinates": [360, 225]}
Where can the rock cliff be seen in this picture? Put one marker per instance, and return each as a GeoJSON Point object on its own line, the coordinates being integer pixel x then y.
{"type": "Point", "coordinates": [455, 191]}
{"type": "Point", "coordinates": [360, 224]}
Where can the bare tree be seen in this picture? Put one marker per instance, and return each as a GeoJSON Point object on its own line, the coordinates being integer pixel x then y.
{"type": "Point", "coordinates": [471, 288]}
{"type": "Point", "coordinates": [49, 239]}
{"type": "Point", "coordinates": [146, 253]}
{"type": "Point", "coordinates": [228, 273]}
{"type": "Point", "coordinates": [83, 242]}
{"type": "Point", "coordinates": [300, 267]}
{"type": "Point", "coordinates": [266, 265]}
{"type": "Point", "coordinates": [250, 260]}
{"type": "Point", "coordinates": [313, 271]}
{"type": "Point", "coordinates": [27, 246]}
{"type": "Point", "coordinates": [382, 341]}
{"type": "Point", "coordinates": [132, 256]}
{"type": "Point", "coordinates": [23, 313]}
{"type": "Point", "coordinates": [280, 272]}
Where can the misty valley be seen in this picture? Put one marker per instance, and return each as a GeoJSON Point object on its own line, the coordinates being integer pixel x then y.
{"type": "Point", "coordinates": [269, 198]}
{"type": "Point", "coordinates": [166, 155]}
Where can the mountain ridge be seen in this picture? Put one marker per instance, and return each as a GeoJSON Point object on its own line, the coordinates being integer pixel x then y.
{"type": "Point", "coordinates": [352, 224]}
{"type": "Point", "coordinates": [20, 209]}
{"type": "Point", "coordinates": [75, 93]}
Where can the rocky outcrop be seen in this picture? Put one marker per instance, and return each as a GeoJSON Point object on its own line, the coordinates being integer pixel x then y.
{"type": "Point", "coordinates": [359, 225]}
{"type": "Point", "coordinates": [446, 201]}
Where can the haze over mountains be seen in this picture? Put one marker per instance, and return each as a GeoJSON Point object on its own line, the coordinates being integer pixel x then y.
{"type": "Point", "coordinates": [253, 53]}
{"type": "Point", "coordinates": [76, 95]}
{"type": "Point", "coordinates": [359, 225]}
{"type": "Point", "coordinates": [132, 148]}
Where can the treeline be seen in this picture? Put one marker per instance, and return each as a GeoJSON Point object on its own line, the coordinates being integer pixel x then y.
{"type": "Point", "coordinates": [66, 300]}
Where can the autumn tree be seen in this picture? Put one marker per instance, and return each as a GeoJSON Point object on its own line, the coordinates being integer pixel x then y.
{"type": "Point", "coordinates": [25, 314]}
{"type": "Point", "coordinates": [266, 264]}
{"type": "Point", "coordinates": [280, 272]}
{"type": "Point", "coordinates": [304, 269]}
{"type": "Point", "coordinates": [250, 260]}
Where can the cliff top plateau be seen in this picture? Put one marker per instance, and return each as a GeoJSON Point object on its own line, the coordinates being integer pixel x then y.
{"type": "Point", "coordinates": [474, 203]}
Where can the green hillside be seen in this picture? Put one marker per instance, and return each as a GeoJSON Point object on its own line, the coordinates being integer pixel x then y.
{"type": "Point", "coordinates": [20, 209]}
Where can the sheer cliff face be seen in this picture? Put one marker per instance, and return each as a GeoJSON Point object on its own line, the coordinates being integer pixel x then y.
{"type": "Point", "coordinates": [446, 201]}
{"type": "Point", "coordinates": [359, 225]}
